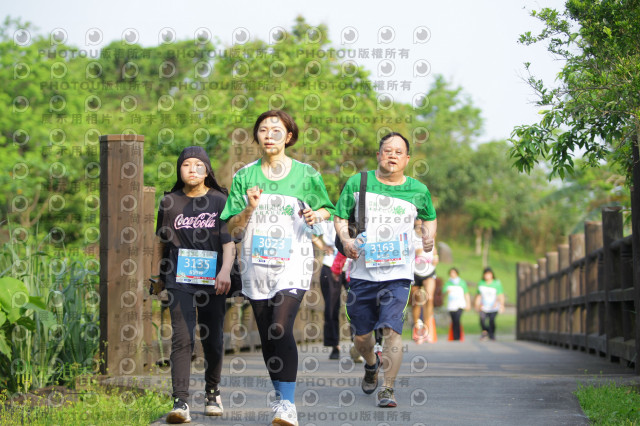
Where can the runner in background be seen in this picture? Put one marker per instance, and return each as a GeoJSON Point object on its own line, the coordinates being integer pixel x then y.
{"type": "Point", "coordinates": [341, 269]}
{"type": "Point", "coordinates": [422, 296]}
{"type": "Point", "coordinates": [331, 287]}
{"type": "Point", "coordinates": [457, 300]}
{"type": "Point", "coordinates": [489, 302]}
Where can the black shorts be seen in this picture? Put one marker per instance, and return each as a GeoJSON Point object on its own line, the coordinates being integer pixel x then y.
{"type": "Point", "coordinates": [418, 280]}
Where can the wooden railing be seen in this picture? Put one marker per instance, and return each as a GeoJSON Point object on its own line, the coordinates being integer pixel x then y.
{"type": "Point", "coordinates": [583, 295]}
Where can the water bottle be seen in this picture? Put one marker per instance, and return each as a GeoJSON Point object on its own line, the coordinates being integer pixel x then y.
{"type": "Point", "coordinates": [360, 241]}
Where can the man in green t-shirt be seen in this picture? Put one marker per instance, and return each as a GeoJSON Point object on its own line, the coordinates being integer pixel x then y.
{"type": "Point", "coordinates": [383, 268]}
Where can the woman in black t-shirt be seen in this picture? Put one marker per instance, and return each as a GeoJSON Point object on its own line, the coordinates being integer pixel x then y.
{"type": "Point", "coordinates": [197, 254]}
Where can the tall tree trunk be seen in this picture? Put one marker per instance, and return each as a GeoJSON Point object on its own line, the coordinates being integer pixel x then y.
{"type": "Point", "coordinates": [478, 232]}
{"type": "Point", "coordinates": [485, 249]}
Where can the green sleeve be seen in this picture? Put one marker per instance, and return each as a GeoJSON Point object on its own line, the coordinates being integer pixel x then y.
{"type": "Point", "coordinates": [236, 201]}
{"type": "Point", "coordinates": [446, 286]}
{"type": "Point", "coordinates": [426, 211]}
{"type": "Point", "coordinates": [499, 289]}
{"type": "Point", "coordinates": [346, 202]}
{"type": "Point", "coordinates": [464, 285]}
{"type": "Point", "coordinates": [318, 197]}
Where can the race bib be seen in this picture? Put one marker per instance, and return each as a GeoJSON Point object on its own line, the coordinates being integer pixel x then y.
{"type": "Point", "coordinates": [489, 297]}
{"type": "Point", "coordinates": [386, 253]}
{"type": "Point", "coordinates": [196, 267]}
{"type": "Point", "coordinates": [269, 250]}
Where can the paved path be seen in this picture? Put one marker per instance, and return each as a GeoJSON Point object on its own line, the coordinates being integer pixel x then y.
{"type": "Point", "coordinates": [506, 382]}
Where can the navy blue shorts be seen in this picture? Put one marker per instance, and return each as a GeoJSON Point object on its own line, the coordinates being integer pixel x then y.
{"type": "Point", "coordinates": [377, 304]}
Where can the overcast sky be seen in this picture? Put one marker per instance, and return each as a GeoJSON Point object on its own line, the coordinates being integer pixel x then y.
{"type": "Point", "coordinates": [473, 44]}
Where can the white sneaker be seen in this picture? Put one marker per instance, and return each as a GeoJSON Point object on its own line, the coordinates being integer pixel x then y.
{"type": "Point", "coordinates": [180, 412]}
{"type": "Point", "coordinates": [285, 413]}
{"type": "Point", "coordinates": [213, 404]}
{"type": "Point", "coordinates": [419, 334]}
{"type": "Point", "coordinates": [355, 355]}
{"type": "Point", "coordinates": [377, 348]}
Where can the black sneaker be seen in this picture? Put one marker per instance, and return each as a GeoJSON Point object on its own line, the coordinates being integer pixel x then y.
{"type": "Point", "coordinates": [180, 412]}
{"type": "Point", "coordinates": [335, 353]}
{"type": "Point", "coordinates": [213, 407]}
{"type": "Point", "coordinates": [370, 379]}
{"type": "Point", "coordinates": [386, 399]}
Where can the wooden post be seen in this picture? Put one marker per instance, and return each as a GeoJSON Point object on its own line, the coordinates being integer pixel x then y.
{"type": "Point", "coordinates": [148, 220]}
{"type": "Point", "coordinates": [532, 299]}
{"type": "Point", "coordinates": [635, 229]}
{"type": "Point", "coordinates": [563, 293]}
{"type": "Point", "coordinates": [542, 297]}
{"type": "Point", "coordinates": [563, 263]}
{"type": "Point", "coordinates": [593, 241]}
{"type": "Point", "coordinates": [552, 285]}
{"type": "Point", "coordinates": [576, 291]}
{"type": "Point", "coordinates": [121, 254]}
{"type": "Point", "coordinates": [611, 231]}
{"type": "Point", "coordinates": [520, 279]}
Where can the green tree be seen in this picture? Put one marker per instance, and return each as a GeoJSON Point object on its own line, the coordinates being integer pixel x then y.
{"type": "Point", "coordinates": [189, 93]}
{"type": "Point", "coordinates": [594, 108]}
{"type": "Point", "coordinates": [443, 133]}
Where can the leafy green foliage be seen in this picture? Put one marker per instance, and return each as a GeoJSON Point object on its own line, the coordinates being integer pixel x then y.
{"type": "Point", "coordinates": [205, 94]}
{"type": "Point", "coordinates": [49, 313]}
{"type": "Point", "coordinates": [189, 93]}
{"type": "Point", "coordinates": [594, 109]}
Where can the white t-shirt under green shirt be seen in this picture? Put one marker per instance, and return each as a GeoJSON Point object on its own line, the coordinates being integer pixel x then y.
{"type": "Point", "coordinates": [277, 253]}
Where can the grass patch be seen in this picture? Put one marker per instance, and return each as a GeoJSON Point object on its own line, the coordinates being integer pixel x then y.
{"type": "Point", "coordinates": [94, 406]}
{"type": "Point", "coordinates": [610, 404]}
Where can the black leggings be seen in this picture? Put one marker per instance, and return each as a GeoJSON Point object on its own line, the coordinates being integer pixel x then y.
{"type": "Point", "coordinates": [275, 318]}
{"type": "Point", "coordinates": [488, 323]}
{"type": "Point", "coordinates": [210, 315]}
{"type": "Point", "coordinates": [331, 293]}
{"type": "Point", "coordinates": [455, 323]}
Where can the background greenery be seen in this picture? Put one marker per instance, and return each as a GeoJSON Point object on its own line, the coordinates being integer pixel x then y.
{"type": "Point", "coordinates": [57, 103]}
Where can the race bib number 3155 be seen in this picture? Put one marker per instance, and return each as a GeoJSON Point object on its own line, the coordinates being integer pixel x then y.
{"type": "Point", "coordinates": [197, 267]}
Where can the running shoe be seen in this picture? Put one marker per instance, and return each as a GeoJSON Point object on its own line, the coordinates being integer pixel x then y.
{"type": "Point", "coordinates": [335, 353]}
{"type": "Point", "coordinates": [285, 413]}
{"type": "Point", "coordinates": [370, 379]}
{"type": "Point", "coordinates": [385, 398]}
{"type": "Point", "coordinates": [180, 412]}
{"type": "Point", "coordinates": [355, 355]}
{"type": "Point", "coordinates": [420, 332]}
{"type": "Point", "coordinates": [377, 348]}
{"type": "Point", "coordinates": [213, 406]}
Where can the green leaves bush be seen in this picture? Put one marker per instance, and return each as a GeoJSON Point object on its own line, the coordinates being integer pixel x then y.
{"type": "Point", "coordinates": [49, 311]}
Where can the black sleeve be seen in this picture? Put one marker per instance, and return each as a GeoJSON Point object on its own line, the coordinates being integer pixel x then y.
{"type": "Point", "coordinates": [161, 230]}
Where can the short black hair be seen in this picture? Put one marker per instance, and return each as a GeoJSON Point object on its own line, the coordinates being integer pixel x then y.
{"type": "Point", "coordinates": [389, 136]}
{"type": "Point", "coordinates": [286, 119]}
{"type": "Point", "coordinates": [488, 269]}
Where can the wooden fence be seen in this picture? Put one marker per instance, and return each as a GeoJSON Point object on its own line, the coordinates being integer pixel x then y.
{"type": "Point", "coordinates": [584, 296]}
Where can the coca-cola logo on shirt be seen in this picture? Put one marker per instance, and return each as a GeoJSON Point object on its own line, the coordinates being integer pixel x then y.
{"type": "Point", "coordinates": [203, 220]}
